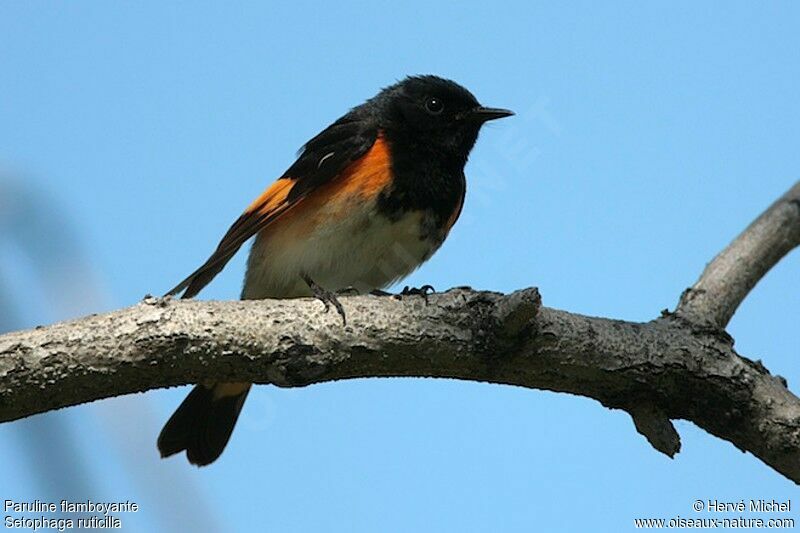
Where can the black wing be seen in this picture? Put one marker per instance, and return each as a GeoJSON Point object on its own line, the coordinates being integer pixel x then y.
{"type": "Point", "coordinates": [321, 160]}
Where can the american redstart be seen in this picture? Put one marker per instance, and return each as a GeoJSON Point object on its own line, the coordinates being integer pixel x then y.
{"type": "Point", "coordinates": [367, 201]}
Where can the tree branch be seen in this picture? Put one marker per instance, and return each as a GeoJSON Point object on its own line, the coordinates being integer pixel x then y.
{"type": "Point", "coordinates": [735, 271]}
{"type": "Point", "coordinates": [674, 367]}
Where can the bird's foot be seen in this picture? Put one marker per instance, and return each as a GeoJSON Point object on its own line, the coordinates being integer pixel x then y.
{"type": "Point", "coordinates": [327, 297]}
{"type": "Point", "coordinates": [423, 291]}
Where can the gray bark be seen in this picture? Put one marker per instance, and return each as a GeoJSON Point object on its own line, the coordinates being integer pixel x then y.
{"type": "Point", "coordinates": [735, 271]}
{"type": "Point", "coordinates": [681, 365]}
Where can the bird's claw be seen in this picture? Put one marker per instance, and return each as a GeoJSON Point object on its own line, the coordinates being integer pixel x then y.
{"type": "Point", "coordinates": [327, 297]}
{"type": "Point", "coordinates": [423, 291]}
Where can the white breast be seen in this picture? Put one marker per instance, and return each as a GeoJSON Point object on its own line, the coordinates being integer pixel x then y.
{"type": "Point", "coordinates": [355, 247]}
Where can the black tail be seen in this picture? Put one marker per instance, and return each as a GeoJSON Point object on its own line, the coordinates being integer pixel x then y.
{"type": "Point", "coordinates": [203, 423]}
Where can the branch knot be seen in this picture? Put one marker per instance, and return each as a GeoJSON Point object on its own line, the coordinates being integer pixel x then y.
{"type": "Point", "coordinates": [516, 314]}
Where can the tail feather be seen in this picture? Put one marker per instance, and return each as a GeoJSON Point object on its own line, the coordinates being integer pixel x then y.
{"type": "Point", "coordinates": [203, 423]}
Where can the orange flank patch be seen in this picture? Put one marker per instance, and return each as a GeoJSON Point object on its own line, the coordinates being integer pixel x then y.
{"type": "Point", "coordinates": [359, 183]}
{"type": "Point", "coordinates": [361, 180]}
{"type": "Point", "coordinates": [365, 177]}
{"type": "Point", "coordinates": [454, 217]}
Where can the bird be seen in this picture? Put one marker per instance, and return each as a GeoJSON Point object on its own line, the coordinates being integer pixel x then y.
{"type": "Point", "coordinates": [368, 200]}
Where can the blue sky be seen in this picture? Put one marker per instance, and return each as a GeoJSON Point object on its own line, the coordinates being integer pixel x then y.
{"type": "Point", "coordinates": [647, 136]}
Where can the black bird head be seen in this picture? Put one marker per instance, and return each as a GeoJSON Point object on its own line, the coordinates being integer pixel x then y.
{"type": "Point", "coordinates": [432, 114]}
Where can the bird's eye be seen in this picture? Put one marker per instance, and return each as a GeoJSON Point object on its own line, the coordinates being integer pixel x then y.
{"type": "Point", "coordinates": [434, 106]}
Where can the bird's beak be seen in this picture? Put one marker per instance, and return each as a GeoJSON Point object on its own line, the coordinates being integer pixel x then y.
{"type": "Point", "coordinates": [484, 114]}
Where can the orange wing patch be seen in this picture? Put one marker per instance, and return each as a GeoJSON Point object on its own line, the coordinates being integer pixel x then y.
{"type": "Point", "coordinates": [272, 213]}
{"type": "Point", "coordinates": [274, 196]}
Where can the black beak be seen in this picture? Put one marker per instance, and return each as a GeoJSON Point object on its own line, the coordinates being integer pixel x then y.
{"type": "Point", "coordinates": [483, 114]}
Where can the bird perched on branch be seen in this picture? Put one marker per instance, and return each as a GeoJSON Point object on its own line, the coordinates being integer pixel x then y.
{"type": "Point", "coordinates": [368, 200]}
